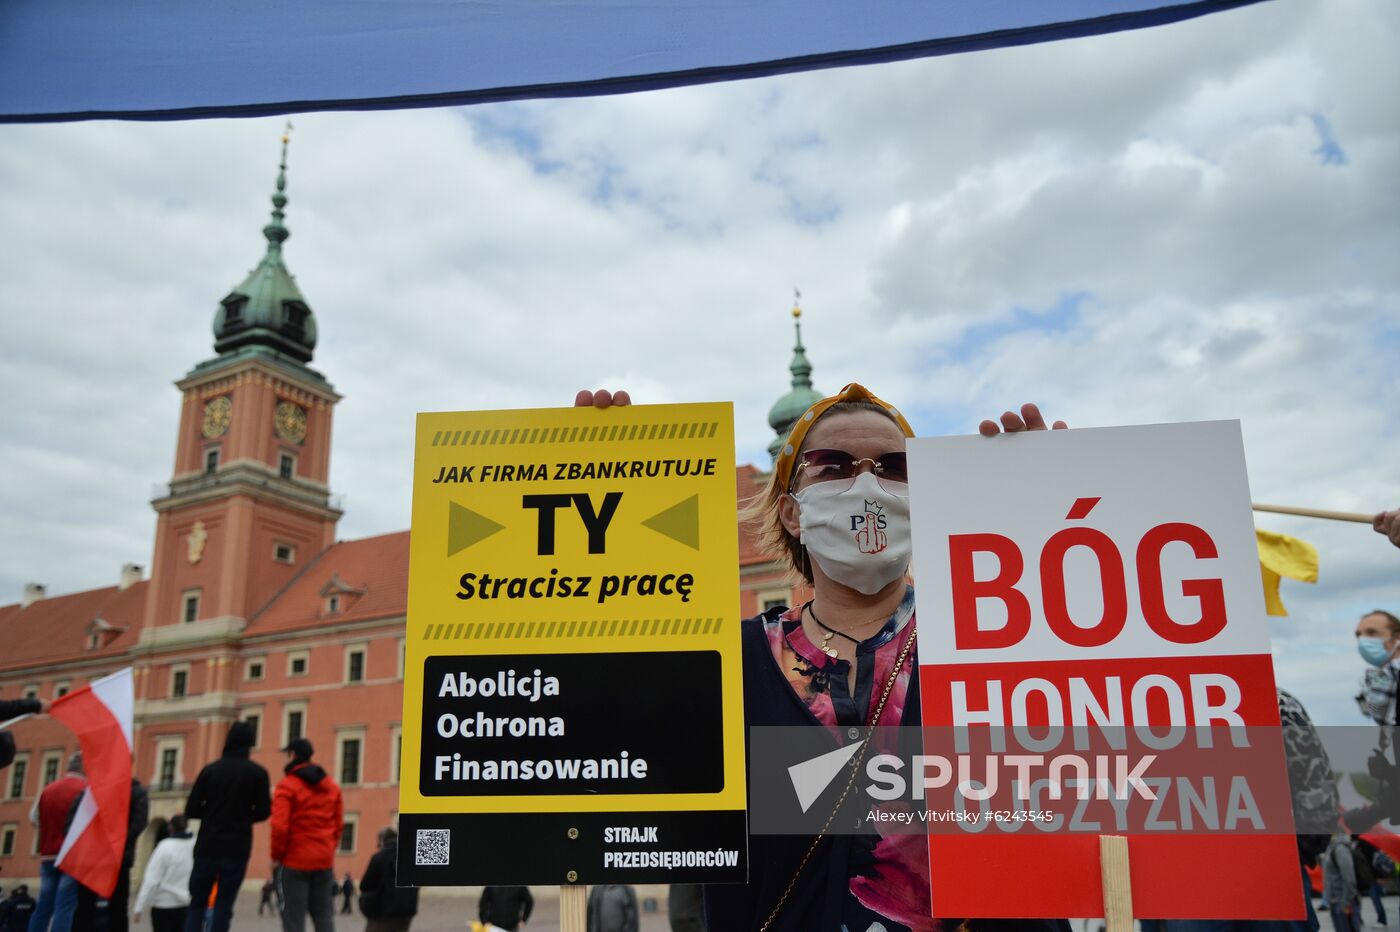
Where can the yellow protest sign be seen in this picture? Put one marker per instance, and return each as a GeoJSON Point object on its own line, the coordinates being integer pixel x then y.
{"type": "Point", "coordinates": [572, 674]}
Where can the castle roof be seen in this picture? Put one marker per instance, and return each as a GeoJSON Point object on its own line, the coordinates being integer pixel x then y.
{"type": "Point", "coordinates": [59, 628]}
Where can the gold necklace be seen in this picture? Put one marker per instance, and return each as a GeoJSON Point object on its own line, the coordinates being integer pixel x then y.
{"type": "Point", "coordinates": [825, 645]}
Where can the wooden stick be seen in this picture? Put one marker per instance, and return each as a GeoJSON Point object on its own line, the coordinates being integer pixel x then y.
{"type": "Point", "coordinates": [1117, 886]}
{"type": "Point", "coordinates": [1315, 513]}
{"type": "Point", "coordinates": [573, 909]}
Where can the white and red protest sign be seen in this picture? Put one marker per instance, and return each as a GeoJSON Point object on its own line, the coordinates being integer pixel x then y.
{"type": "Point", "coordinates": [1101, 579]}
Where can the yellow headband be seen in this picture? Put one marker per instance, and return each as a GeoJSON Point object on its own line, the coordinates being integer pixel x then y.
{"type": "Point", "coordinates": [787, 456]}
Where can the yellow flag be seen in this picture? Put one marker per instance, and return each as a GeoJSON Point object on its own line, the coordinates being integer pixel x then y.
{"type": "Point", "coordinates": [1281, 555]}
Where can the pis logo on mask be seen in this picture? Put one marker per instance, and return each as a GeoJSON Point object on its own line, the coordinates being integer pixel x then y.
{"type": "Point", "coordinates": [869, 528]}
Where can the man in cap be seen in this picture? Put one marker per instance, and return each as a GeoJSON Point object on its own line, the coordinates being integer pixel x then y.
{"type": "Point", "coordinates": [307, 817]}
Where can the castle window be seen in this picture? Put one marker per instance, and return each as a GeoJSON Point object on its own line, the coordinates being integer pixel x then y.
{"type": "Point", "coordinates": [7, 839]}
{"type": "Point", "coordinates": [349, 752]}
{"type": "Point", "coordinates": [293, 721]}
{"type": "Point", "coordinates": [297, 663]}
{"type": "Point", "coordinates": [169, 758]}
{"type": "Point", "coordinates": [284, 553]}
{"type": "Point", "coordinates": [211, 460]}
{"type": "Point", "coordinates": [254, 720]}
{"type": "Point", "coordinates": [355, 665]}
{"type": "Point", "coordinates": [189, 608]}
{"type": "Point", "coordinates": [296, 318]}
{"type": "Point", "coordinates": [233, 310]}
{"type": "Point", "coordinates": [19, 769]}
{"type": "Point", "coordinates": [286, 465]}
{"type": "Point", "coordinates": [52, 761]}
{"type": "Point", "coordinates": [254, 671]}
{"type": "Point", "coordinates": [332, 605]}
{"type": "Point", "coordinates": [348, 830]}
{"type": "Point", "coordinates": [179, 681]}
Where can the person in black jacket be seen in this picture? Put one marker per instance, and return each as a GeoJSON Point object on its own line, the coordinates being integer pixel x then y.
{"type": "Point", "coordinates": [228, 796]}
{"type": "Point", "coordinates": [387, 907]}
{"type": "Point", "coordinates": [612, 907]}
{"type": "Point", "coordinates": [506, 907]}
{"type": "Point", "coordinates": [15, 911]}
{"type": "Point", "coordinates": [87, 910]}
{"type": "Point", "coordinates": [13, 708]}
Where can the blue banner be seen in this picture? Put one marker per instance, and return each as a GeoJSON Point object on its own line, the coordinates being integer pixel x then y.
{"type": "Point", "coordinates": [178, 59]}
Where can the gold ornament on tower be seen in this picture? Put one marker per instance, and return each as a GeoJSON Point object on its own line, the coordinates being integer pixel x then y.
{"type": "Point", "coordinates": [291, 422]}
{"type": "Point", "coordinates": [217, 414]}
{"type": "Point", "coordinates": [198, 537]}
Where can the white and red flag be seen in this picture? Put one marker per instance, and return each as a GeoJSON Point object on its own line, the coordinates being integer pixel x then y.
{"type": "Point", "coordinates": [100, 715]}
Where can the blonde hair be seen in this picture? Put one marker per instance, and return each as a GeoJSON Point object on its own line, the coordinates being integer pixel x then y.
{"type": "Point", "coordinates": [761, 511]}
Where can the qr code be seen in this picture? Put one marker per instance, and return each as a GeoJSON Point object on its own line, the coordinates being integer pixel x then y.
{"type": "Point", "coordinates": [432, 847]}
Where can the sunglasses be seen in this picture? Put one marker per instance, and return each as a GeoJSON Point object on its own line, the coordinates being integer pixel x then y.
{"type": "Point", "coordinates": [828, 465]}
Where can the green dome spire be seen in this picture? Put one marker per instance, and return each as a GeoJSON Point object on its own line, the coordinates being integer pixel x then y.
{"type": "Point", "coordinates": [787, 409]}
{"type": "Point", "coordinates": [267, 311]}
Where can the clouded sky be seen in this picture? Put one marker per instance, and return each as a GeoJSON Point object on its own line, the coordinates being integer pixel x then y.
{"type": "Point", "coordinates": [1195, 221]}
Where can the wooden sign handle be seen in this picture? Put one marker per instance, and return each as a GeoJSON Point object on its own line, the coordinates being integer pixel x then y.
{"type": "Point", "coordinates": [573, 908]}
{"type": "Point", "coordinates": [1314, 513]}
{"type": "Point", "coordinates": [1117, 886]}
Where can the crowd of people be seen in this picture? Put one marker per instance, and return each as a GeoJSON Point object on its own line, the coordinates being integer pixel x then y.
{"type": "Point", "coordinates": [191, 882]}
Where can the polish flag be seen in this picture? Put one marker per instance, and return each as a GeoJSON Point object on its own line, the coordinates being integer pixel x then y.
{"type": "Point", "coordinates": [100, 715]}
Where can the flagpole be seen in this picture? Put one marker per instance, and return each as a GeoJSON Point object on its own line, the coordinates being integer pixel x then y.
{"type": "Point", "coordinates": [17, 718]}
{"type": "Point", "coordinates": [1315, 513]}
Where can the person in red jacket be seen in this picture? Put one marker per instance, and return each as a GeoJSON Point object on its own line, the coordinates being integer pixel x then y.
{"type": "Point", "coordinates": [57, 900]}
{"type": "Point", "coordinates": [307, 816]}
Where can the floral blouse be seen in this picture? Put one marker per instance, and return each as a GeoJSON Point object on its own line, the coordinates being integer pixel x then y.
{"type": "Point", "coordinates": [891, 891]}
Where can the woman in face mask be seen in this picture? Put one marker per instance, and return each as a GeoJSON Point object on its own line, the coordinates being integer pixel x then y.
{"type": "Point", "coordinates": [837, 510]}
{"type": "Point", "coordinates": [1378, 642]}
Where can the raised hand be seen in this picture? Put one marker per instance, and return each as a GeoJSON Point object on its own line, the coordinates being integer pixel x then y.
{"type": "Point", "coordinates": [1030, 418]}
{"type": "Point", "coordinates": [1388, 523]}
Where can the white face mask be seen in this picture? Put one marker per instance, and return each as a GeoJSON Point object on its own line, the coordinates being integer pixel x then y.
{"type": "Point", "coordinates": [858, 531]}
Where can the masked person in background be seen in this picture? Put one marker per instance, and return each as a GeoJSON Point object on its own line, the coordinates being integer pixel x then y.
{"type": "Point", "coordinates": [1378, 642]}
{"type": "Point", "coordinates": [837, 509]}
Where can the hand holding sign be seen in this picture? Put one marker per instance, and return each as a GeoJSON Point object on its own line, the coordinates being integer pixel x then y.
{"type": "Point", "coordinates": [1029, 419]}
{"type": "Point", "coordinates": [602, 398]}
{"type": "Point", "coordinates": [1388, 524]}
